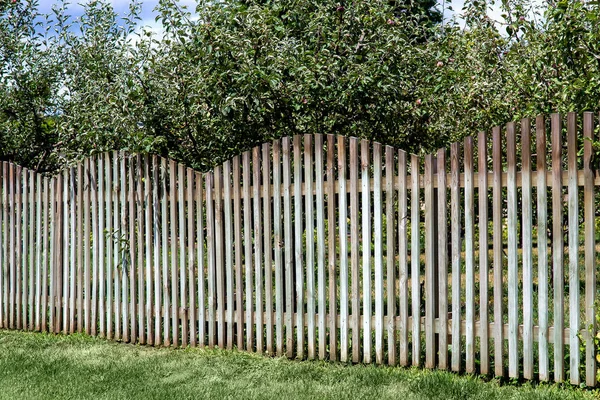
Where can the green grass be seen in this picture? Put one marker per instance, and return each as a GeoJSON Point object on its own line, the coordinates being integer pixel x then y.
{"type": "Point", "coordinates": [42, 366]}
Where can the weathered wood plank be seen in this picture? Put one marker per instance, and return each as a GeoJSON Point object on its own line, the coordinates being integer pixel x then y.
{"type": "Point", "coordinates": [343, 243]}
{"type": "Point", "coordinates": [573, 217]}
{"type": "Point", "coordinates": [156, 234]}
{"type": "Point", "coordinates": [557, 246]}
{"type": "Point", "coordinates": [181, 233]}
{"type": "Point", "coordinates": [248, 251]}
{"type": "Point", "coordinates": [134, 250]}
{"type": "Point", "coordinates": [145, 284]}
{"type": "Point", "coordinates": [228, 251]}
{"type": "Point", "coordinates": [589, 248]}
{"type": "Point", "coordinates": [331, 252]}
{"type": "Point", "coordinates": [354, 248]}
{"type": "Point", "coordinates": [95, 233]}
{"type": "Point", "coordinates": [378, 256]}
{"type": "Point", "coordinates": [287, 240]}
{"type": "Point", "coordinates": [123, 234]}
{"type": "Point", "coordinates": [101, 244]}
{"type": "Point", "coordinates": [40, 279]}
{"type": "Point", "coordinates": [482, 169]}
{"type": "Point", "coordinates": [32, 250]}
{"type": "Point", "coordinates": [390, 255]}
{"type": "Point", "coordinates": [542, 248]}
{"type": "Point", "coordinates": [72, 246]}
{"type": "Point", "coordinates": [469, 256]}
{"type": "Point", "coordinates": [116, 244]}
{"type": "Point", "coordinates": [237, 228]}
{"type": "Point", "coordinates": [3, 263]}
{"type": "Point", "coordinates": [366, 249]}
{"type": "Point", "coordinates": [526, 209]}
{"type": "Point", "coordinates": [258, 263]}
{"type": "Point", "coordinates": [415, 254]}
{"type": "Point", "coordinates": [45, 256]}
{"type": "Point", "coordinates": [5, 253]}
{"type": "Point", "coordinates": [310, 246]}
{"type": "Point", "coordinates": [278, 239]}
{"type": "Point", "coordinates": [109, 244]}
{"type": "Point", "coordinates": [18, 210]}
{"type": "Point", "coordinates": [298, 247]}
{"type": "Point", "coordinates": [497, 247]}
{"type": "Point", "coordinates": [513, 279]}
{"type": "Point", "coordinates": [319, 197]}
{"type": "Point", "coordinates": [52, 244]}
{"type": "Point", "coordinates": [219, 265]}
{"type": "Point", "coordinates": [430, 263]}
{"type": "Point", "coordinates": [164, 207]}
{"type": "Point", "coordinates": [442, 230]}
{"type": "Point", "coordinates": [173, 225]}
{"type": "Point", "coordinates": [455, 221]}
{"type": "Point", "coordinates": [191, 261]}
{"type": "Point", "coordinates": [87, 308]}
{"type": "Point", "coordinates": [267, 229]}
{"type": "Point", "coordinates": [200, 212]}
{"type": "Point", "coordinates": [403, 257]}
{"type": "Point", "coordinates": [210, 249]}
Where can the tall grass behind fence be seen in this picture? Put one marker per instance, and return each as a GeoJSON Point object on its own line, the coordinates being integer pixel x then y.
{"type": "Point", "coordinates": [478, 259]}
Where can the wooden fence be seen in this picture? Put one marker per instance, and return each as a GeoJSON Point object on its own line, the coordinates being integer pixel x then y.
{"type": "Point", "coordinates": [322, 247]}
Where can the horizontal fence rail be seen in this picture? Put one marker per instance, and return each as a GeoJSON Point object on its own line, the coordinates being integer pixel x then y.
{"type": "Point", "coordinates": [478, 259]}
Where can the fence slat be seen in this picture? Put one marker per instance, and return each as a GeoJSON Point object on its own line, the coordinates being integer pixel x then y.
{"type": "Point", "coordinates": [52, 289]}
{"type": "Point", "coordinates": [267, 229]}
{"type": "Point", "coordinates": [456, 259]}
{"type": "Point", "coordinates": [228, 251]}
{"type": "Point", "coordinates": [331, 240]}
{"type": "Point", "coordinates": [19, 246]}
{"type": "Point", "coordinates": [287, 240]}
{"type": "Point", "coordinates": [239, 284]}
{"type": "Point", "coordinates": [483, 252]}
{"type": "Point", "coordinates": [144, 254]}
{"type": "Point", "coordinates": [109, 244]}
{"type": "Point", "coordinates": [134, 266]}
{"type": "Point", "coordinates": [164, 247]}
{"type": "Point", "coordinates": [3, 266]}
{"type": "Point", "coordinates": [124, 262]}
{"type": "Point", "coordinates": [354, 249]}
{"type": "Point", "coordinates": [218, 238]}
{"type": "Point", "coordinates": [557, 246]}
{"type": "Point", "coordinates": [155, 187]}
{"type": "Point", "coordinates": [64, 303]}
{"type": "Point", "coordinates": [310, 247]}
{"type": "Point", "coordinates": [173, 225]}
{"type": "Point", "coordinates": [248, 251]}
{"type": "Point", "coordinates": [95, 233]}
{"type": "Point", "coordinates": [258, 265]}
{"type": "Point", "coordinates": [321, 307]}
{"type": "Point", "coordinates": [148, 201]}
{"type": "Point", "coordinates": [378, 256]}
{"type": "Point", "coordinates": [573, 217]}
{"type": "Point", "coordinates": [201, 261]}
{"type": "Point", "coordinates": [415, 254]}
{"type": "Point", "coordinates": [72, 247]}
{"type": "Point", "coordinates": [527, 249]}
{"type": "Point", "coordinates": [513, 288]}
{"type": "Point", "coordinates": [542, 247]}
{"type": "Point", "coordinates": [39, 278]}
{"type": "Point", "coordinates": [298, 248]}
{"type": "Point", "coordinates": [403, 257]}
{"type": "Point", "coordinates": [442, 203]}
{"type": "Point", "coordinates": [45, 256]}
{"type": "Point", "coordinates": [429, 262]}
{"type": "Point", "coordinates": [191, 237]}
{"type": "Point", "coordinates": [27, 244]}
{"type": "Point", "coordinates": [278, 238]}
{"type": "Point", "coordinates": [101, 245]}
{"type": "Point", "coordinates": [497, 247]}
{"type": "Point", "coordinates": [366, 249]}
{"type": "Point", "coordinates": [183, 309]}
{"type": "Point", "coordinates": [116, 244]}
{"type": "Point", "coordinates": [390, 255]}
{"type": "Point", "coordinates": [589, 248]}
{"type": "Point", "coordinates": [5, 253]}
{"type": "Point", "coordinates": [343, 241]}
{"type": "Point", "coordinates": [469, 256]}
{"type": "Point", "coordinates": [210, 249]}
{"type": "Point", "coordinates": [32, 251]}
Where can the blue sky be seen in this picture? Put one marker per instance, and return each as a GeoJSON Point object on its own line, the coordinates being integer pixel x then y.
{"type": "Point", "coordinates": [122, 6]}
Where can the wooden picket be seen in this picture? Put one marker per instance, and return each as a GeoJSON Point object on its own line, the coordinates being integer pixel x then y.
{"type": "Point", "coordinates": [323, 247]}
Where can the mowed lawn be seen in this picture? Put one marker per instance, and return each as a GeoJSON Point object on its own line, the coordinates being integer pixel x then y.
{"type": "Point", "coordinates": [42, 366]}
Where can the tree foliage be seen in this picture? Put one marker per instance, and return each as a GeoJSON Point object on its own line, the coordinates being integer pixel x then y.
{"type": "Point", "coordinates": [226, 76]}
